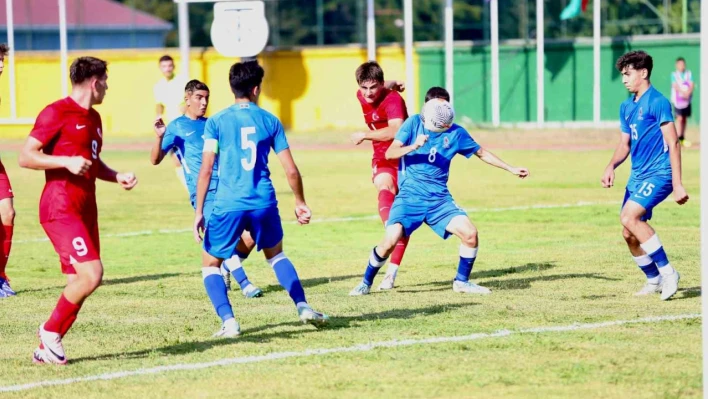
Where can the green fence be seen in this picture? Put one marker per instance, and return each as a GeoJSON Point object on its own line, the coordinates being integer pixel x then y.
{"type": "Point", "coordinates": [568, 76]}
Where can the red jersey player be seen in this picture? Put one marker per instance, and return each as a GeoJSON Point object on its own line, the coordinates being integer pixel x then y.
{"type": "Point", "coordinates": [384, 112]}
{"type": "Point", "coordinates": [66, 143]}
{"type": "Point", "coordinates": [7, 212]}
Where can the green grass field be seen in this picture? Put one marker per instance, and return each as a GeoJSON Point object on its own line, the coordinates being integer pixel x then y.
{"type": "Point", "coordinates": [547, 267]}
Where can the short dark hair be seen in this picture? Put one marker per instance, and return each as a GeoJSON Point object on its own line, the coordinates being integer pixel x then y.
{"type": "Point", "coordinates": [195, 85]}
{"type": "Point", "coordinates": [437, 92]}
{"type": "Point", "coordinates": [369, 71]}
{"type": "Point", "coordinates": [637, 60]}
{"type": "Point", "coordinates": [84, 68]}
{"type": "Point", "coordinates": [680, 59]}
{"type": "Point", "coordinates": [244, 77]}
{"type": "Point", "coordinates": [4, 49]}
{"type": "Point", "coordinates": [166, 58]}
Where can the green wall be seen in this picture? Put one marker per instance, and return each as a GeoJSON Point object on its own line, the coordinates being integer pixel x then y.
{"type": "Point", "coordinates": [568, 77]}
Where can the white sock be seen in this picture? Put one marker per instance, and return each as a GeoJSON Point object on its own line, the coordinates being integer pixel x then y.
{"type": "Point", "coordinates": [645, 260]}
{"type": "Point", "coordinates": [392, 269]}
{"type": "Point", "coordinates": [667, 270]}
{"type": "Point", "coordinates": [232, 264]}
{"type": "Point", "coordinates": [231, 323]}
{"type": "Point", "coordinates": [300, 305]}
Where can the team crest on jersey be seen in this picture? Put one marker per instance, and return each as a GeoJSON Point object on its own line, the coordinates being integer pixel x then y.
{"type": "Point", "coordinates": [375, 116]}
{"type": "Point", "coordinates": [98, 130]}
{"type": "Point", "coordinates": [641, 114]}
{"type": "Point", "coordinates": [446, 142]}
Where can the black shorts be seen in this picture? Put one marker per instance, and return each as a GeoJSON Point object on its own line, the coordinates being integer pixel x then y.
{"type": "Point", "coordinates": [686, 112]}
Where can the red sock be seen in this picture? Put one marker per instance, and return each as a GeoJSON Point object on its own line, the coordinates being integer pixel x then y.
{"type": "Point", "coordinates": [6, 238]}
{"type": "Point", "coordinates": [397, 255]}
{"type": "Point", "coordinates": [63, 316]}
{"type": "Point", "coordinates": [385, 201]}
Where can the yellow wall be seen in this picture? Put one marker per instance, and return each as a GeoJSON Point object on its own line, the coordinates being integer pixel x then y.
{"type": "Point", "coordinates": [309, 89]}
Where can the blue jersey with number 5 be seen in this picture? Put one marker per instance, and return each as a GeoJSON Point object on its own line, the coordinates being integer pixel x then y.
{"type": "Point", "coordinates": [245, 134]}
{"type": "Point", "coordinates": [425, 171]}
{"type": "Point", "coordinates": [642, 121]}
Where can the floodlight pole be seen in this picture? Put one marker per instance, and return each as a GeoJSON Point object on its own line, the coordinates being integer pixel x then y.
{"type": "Point", "coordinates": [184, 45]}
{"type": "Point", "coordinates": [408, 45]}
{"type": "Point", "coordinates": [63, 49]}
{"type": "Point", "coordinates": [704, 184]}
{"type": "Point", "coordinates": [449, 51]}
{"type": "Point", "coordinates": [596, 34]}
{"type": "Point", "coordinates": [494, 26]}
{"type": "Point", "coordinates": [11, 57]}
{"type": "Point", "coordinates": [540, 57]}
{"type": "Point", "coordinates": [370, 30]}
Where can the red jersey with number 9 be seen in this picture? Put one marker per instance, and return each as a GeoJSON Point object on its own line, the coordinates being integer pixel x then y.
{"type": "Point", "coordinates": [66, 129]}
{"type": "Point", "coordinates": [390, 105]}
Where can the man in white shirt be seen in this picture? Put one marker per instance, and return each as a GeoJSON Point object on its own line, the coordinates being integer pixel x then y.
{"type": "Point", "coordinates": [169, 99]}
{"type": "Point", "coordinates": [681, 91]}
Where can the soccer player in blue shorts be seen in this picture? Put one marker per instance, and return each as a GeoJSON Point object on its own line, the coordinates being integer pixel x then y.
{"type": "Point", "coordinates": [242, 136]}
{"type": "Point", "coordinates": [648, 133]}
{"type": "Point", "coordinates": [185, 136]}
{"type": "Point", "coordinates": [426, 144]}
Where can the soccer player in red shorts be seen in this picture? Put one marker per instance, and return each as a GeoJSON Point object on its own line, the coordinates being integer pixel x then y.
{"type": "Point", "coordinates": [66, 142]}
{"type": "Point", "coordinates": [7, 211]}
{"type": "Point", "coordinates": [384, 112]}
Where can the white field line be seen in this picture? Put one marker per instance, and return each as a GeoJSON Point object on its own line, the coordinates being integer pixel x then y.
{"type": "Point", "coordinates": [326, 351]}
{"type": "Point", "coordinates": [345, 219]}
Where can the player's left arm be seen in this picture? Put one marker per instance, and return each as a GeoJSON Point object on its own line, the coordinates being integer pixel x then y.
{"type": "Point", "coordinates": [668, 130]}
{"type": "Point", "coordinates": [488, 157]}
{"type": "Point", "coordinates": [126, 180]}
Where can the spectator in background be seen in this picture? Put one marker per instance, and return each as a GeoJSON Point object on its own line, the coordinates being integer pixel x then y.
{"type": "Point", "coordinates": [169, 99]}
{"type": "Point", "coordinates": [681, 91]}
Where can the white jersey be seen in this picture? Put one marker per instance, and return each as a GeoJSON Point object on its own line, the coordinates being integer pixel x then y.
{"type": "Point", "coordinates": [170, 93]}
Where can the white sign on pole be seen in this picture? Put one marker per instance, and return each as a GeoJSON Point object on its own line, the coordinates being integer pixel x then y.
{"type": "Point", "coordinates": [240, 28]}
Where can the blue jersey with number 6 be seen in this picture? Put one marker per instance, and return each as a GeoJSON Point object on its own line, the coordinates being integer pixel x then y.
{"type": "Point", "coordinates": [425, 171]}
{"type": "Point", "coordinates": [642, 120]}
{"type": "Point", "coordinates": [245, 134]}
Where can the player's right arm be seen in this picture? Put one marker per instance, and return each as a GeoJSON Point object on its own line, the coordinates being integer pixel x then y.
{"type": "Point", "coordinates": [621, 152]}
{"type": "Point", "coordinates": [47, 128]}
{"type": "Point", "coordinates": [385, 134]}
{"type": "Point", "coordinates": [157, 152]}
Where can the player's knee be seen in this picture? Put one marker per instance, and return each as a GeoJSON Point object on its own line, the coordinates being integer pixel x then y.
{"type": "Point", "coordinates": [385, 182]}
{"type": "Point", "coordinates": [7, 214]}
{"type": "Point", "coordinates": [92, 279]}
{"type": "Point", "coordinates": [470, 237]}
{"type": "Point", "coordinates": [628, 220]}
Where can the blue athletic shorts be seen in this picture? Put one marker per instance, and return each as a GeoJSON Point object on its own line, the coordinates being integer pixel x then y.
{"type": "Point", "coordinates": [648, 193]}
{"type": "Point", "coordinates": [223, 230]}
{"type": "Point", "coordinates": [411, 214]}
{"type": "Point", "coordinates": [208, 203]}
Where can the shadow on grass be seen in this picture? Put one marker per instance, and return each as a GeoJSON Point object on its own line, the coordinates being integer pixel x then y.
{"type": "Point", "coordinates": [311, 282]}
{"type": "Point", "coordinates": [118, 281]}
{"type": "Point", "coordinates": [692, 292]}
{"type": "Point", "coordinates": [529, 267]}
{"type": "Point", "coordinates": [253, 335]}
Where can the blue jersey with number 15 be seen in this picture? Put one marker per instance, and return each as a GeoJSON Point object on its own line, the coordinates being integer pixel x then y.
{"type": "Point", "coordinates": [642, 121]}
{"type": "Point", "coordinates": [245, 134]}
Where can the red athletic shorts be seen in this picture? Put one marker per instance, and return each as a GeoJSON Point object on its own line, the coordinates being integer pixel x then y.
{"type": "Point", "coordinates": [381, 166]}
{"type": "Point", "coordinates": [75, 239]}
{"type": "Point", "coordinates": [5, 187]}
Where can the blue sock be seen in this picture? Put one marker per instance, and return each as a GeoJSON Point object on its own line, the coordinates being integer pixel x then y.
{"type": "Point", "coordinates": [287, 277]}
{"type": "Point", "coordinates": [467, 258]}
{"type": "Point", "coordinates": [216, 289]}
{"type": "Point", "coordinates": [647, 265]}
{"type": "Point", "coordinates": [656, 252]}
{"type": "Point", "coordinates": [375, 263]}
{"type": "Point", "coordinates": [236, 269]}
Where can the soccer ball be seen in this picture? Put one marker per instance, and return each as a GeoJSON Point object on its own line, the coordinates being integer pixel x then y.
{"type": "Point", "coordinates": [437, 115]}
